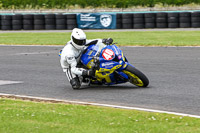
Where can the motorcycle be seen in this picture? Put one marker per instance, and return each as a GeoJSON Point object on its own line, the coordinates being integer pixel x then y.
{"type": "Point", "coordinates": [111, 66]}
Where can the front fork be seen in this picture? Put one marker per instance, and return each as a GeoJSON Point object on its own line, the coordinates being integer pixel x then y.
{"type": "Point", "coordinates": [121, 73]}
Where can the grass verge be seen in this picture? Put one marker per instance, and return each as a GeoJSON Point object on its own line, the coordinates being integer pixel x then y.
{"type": "Point", "coordinates": [18, 116]}
{"type": "Point", "coordinates": [128, 38]}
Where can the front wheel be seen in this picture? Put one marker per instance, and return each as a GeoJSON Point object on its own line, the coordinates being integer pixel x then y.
{"type": "Point", "coordinates": [136, 77]}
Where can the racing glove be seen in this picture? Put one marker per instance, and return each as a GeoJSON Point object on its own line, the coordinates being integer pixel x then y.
{"type": "Point", "coordinates": [107, 41]}
{"type": "Point", "coordinates": [89, 72]}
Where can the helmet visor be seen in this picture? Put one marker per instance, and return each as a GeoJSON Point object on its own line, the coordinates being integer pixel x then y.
{"type": "Point", "coordinates": [79, 42]}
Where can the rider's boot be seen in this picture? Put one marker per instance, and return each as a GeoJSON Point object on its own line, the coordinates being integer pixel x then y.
{"type": "Point", "coordinates": [75, 83]}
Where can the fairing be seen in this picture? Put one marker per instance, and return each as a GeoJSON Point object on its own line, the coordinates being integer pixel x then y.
{"type": "Point", "coordinates": [111, 63]}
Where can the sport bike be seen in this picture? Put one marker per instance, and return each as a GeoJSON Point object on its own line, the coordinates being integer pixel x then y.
{"type": "Point", "coordinates": [111, 66]}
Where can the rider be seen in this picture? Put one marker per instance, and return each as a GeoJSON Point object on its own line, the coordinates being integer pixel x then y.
{"type": "Point", "coordinates": [71, 53]}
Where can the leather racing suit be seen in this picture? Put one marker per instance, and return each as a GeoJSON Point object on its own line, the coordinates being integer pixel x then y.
{"type": "Point", "coordinates": [70, 57]}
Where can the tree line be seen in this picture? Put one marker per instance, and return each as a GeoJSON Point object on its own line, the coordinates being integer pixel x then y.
{"type": "Point", "coordinates": [63, 4]}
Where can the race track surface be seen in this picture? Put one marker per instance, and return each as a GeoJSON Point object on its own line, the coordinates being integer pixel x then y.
{"type": "Point", "coordinates": [174, 74]}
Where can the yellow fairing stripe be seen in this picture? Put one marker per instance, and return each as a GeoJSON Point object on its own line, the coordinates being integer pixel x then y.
{"type": "Point", "coordinates": [90, 64]}
{"type": "Point", "coordinates": [123, 56]}
{"type": "Point", "coordinates": [105, 73]}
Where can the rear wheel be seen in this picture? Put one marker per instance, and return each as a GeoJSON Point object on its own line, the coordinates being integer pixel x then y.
{"type": "Point", "coordinates": [136, 77]}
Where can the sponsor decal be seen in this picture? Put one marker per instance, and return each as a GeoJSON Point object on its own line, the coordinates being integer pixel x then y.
{"type": "Point", "coordinates": [89, 53]}
{"type": "Point", "coordinates": [119, 57]}
{"type": "Point", "coordinates": [107, 64]}
{"type": "Point", "coordinates": [96, 20]}
{"type": "Point", "coordinates": [87, 17]}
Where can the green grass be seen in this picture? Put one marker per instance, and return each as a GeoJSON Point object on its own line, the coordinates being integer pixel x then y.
{"type": "Point", "coordinates": [129, 38]}
{"type": "Point", "coordinates": [18, 116]}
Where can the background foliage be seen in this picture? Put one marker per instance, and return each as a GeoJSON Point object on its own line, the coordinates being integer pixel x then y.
{"type": "Point", "coordinates": [62, 4]}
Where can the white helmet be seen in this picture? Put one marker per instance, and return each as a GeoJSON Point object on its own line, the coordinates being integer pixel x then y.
{"type": "Point", "coordinates": [78, 38]}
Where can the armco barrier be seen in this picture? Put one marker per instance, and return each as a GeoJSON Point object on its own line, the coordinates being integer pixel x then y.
{"type": "Point", "coordinates": [123, 21]}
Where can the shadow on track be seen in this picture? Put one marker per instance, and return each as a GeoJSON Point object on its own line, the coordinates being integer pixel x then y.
{"type": "Point", "coordinates": [111, 87]}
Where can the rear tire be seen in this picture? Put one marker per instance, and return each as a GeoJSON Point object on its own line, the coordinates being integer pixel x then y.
{"type": "Point", "coordinates": [136, 77]}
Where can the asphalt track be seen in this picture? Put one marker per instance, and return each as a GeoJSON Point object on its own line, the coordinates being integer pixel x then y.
{"type": "Point", "coordinates": [173, 72]}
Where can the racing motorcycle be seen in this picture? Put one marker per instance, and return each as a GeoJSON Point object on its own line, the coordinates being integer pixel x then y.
{"type": "Point", "coordinates": [111, 66]}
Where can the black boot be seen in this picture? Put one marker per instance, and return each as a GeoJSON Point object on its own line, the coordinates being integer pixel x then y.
{"type": "Point", "coordinates": [75, 83]}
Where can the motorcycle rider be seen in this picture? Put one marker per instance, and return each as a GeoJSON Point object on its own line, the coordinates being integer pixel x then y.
{"type": "Point", "coordinates": [71, 53]}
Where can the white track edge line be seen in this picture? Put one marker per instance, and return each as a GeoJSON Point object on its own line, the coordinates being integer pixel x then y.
{"type": "Point", "coordinates": [90, 103]}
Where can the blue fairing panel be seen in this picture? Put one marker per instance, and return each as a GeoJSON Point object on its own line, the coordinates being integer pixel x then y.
{"type": "Point", "coordinates": [116, 58]}
{"type": "Point", "coordinates": [89, 53]}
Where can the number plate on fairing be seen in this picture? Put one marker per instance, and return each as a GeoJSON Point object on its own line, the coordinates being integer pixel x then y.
{"type": "Point", "coordinates": [108, 54]}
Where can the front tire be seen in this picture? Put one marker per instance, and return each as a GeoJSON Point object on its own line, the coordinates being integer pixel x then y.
{"type": "Point", "coordinates": [136, 77]}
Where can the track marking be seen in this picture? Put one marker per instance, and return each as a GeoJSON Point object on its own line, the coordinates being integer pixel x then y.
{"type": "Point", "coordinates": [39, 99]}
{"type": "Point", "coordinates": [35, 53]}
{"type": "Point", "coordinates": [7, 82]}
